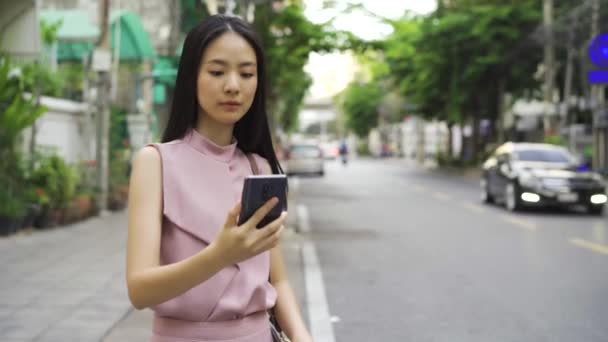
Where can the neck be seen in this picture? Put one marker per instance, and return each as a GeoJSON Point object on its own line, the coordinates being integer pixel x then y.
{"type": "Point", "coordinates": [218, 133]}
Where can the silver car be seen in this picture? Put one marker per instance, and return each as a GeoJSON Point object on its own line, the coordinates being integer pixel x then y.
{"type": "Point", "coordinates": [304, 159]}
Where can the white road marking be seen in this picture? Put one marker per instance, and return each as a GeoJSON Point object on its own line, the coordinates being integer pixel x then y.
{"type": "Point", "coordinates": [321, 326]}
{"type": "Point", "coordinates": [473, 207]}
{"type": "Point", "coordinates": [419, 188]}
{"type": "Point", "coordinates": [441, 196]}
{"type": "Point", "coordinates": [595, 247]}
{"type": "Point", "coordinates": [520, 223]}
{"type": "Point", "coordinates": [303, 219]}
{"type": "Point", "coordinates": [294, 184]}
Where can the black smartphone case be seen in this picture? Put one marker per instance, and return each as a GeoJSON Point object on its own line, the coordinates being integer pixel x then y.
{"type": "Point", "coordinates": [257, 190]}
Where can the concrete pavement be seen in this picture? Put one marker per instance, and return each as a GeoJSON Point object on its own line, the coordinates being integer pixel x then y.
{"type": "Point", "coordinates": [68, 283]}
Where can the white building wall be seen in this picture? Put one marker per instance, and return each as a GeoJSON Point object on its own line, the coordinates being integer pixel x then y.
{"type": "Point", "coordinates": [64, 129]}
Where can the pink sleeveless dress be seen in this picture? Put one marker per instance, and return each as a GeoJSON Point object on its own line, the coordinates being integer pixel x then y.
{"type": "Point", "coordinates": [201, 183]}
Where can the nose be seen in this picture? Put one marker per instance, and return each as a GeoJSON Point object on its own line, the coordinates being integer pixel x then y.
{"type": "Point", "coordinates": [232, 85]}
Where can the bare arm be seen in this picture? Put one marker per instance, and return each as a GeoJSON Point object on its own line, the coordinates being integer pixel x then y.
{"type": "Point", "coordinates": [287, 310]}
{"type": "Point", "coordinates": [148, 282]}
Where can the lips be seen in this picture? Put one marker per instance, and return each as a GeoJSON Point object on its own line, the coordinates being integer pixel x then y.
{"type": "Point", "coordinates": [230, 105]}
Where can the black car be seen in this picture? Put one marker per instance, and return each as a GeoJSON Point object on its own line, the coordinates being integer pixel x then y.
{"type": "Point", "coordinates": [526, 175]}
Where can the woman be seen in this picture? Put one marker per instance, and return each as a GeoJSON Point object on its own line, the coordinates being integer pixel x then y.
{"type": "Point", "coordinates": [206, 278]}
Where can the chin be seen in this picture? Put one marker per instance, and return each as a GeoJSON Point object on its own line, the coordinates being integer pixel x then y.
{"type": "Point", "coordinates": [229, 118]}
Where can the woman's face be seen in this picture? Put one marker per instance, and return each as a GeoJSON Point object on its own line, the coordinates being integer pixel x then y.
{"type": "Point", "coordinates": [227, 79]}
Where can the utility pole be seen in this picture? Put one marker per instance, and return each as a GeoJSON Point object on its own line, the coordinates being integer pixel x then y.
{"type": "Point", "coordinates": [595, 18]}
{"type": "Point", "coordinates": [102, 64]}
{"type": "Point", "coordinates": [596, 97]}
{"type": "Point", "coordinates": [571, 51]}
{"type": "Point", "coordinates": [549, 63]}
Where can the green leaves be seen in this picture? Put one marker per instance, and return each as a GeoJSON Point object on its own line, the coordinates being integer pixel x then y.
{"type": "Point", "coordinates": [445, 62]}
{"type": "Point", "coordinates": [17, 111]}
{"type": "Point", "coordinates": [288, 38]}
{"type": "Point", "coordinates": [20, 114]}
{"type": "Point", "coordinates": [56, 179]}
{"type": "Point", "coordinates": [360, 102]}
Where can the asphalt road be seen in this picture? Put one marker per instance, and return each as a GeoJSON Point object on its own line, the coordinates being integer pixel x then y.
{"type": "Point", "coordinates": [412, 255]}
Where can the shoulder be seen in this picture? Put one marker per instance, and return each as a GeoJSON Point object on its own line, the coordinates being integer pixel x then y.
{"type": "Point", "coordinates": [146, 173]}
{"type": "Point", "coordinates": [148, 156]}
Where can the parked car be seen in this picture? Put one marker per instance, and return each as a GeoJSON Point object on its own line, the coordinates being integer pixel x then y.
{"type": "Point", "coordinates": [304, 158]}
{"type": "Point", "coordinates": [527, 175]}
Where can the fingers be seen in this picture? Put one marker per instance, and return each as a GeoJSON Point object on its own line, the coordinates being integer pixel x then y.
{"type": "Point", "coordinates": [273, 226]}
{"type": "Point", "coordinates": [262, 212]}
{"type": "Point", "coordinates": [273, 239]}
{"type": "Point", "coordinates": [233, 214]}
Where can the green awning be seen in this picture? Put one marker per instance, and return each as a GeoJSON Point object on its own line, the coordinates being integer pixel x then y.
{"type": "Point", "coordinates": [135, 44]}
{"type": "Point", "coordinates": [165, 70]}
{"type": "Point", "coordinates": [75, 25]}
{"type": "Point", "coordinates": [73, 51]}
{"type": "Point", "coordinates": [160, 94]}
{"type": "Point", "coordinates": [165, 73]}
{"type": "Point", "coordinates": [77, 35]}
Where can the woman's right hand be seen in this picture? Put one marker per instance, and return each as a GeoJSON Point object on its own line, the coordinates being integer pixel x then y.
{"type": "Point", "coordinates": [237, 243]}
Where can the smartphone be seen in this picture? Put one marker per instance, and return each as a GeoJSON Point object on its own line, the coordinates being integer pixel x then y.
{"type": "Point", "coordinates": [257, 190]}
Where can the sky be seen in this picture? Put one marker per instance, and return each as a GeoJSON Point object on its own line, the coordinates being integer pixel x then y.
{"type": "Point", "coordinates": [362, 24]}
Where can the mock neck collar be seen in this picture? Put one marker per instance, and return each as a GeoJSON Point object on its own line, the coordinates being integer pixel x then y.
{"type": "Point", "coordinates": [204, 145]}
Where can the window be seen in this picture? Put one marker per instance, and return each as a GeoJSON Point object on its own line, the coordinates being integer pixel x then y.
{"type": "Point", "coordinates": [546, 156]}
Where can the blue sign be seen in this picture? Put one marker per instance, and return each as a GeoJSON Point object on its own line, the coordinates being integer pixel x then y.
{"type": "Point", "coordinates": [598, 54]}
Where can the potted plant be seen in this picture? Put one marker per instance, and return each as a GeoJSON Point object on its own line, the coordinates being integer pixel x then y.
{"type": "Point", "coordinates": [58, 180]}
{"type": "Point", "coordinates": [12, 211]}
{"type": "Point", "coordinates": [119, 179]}
{"type": "Point", "coordinates": [86, 192]}
{"type": "Point", "coordinates": [35, 199]}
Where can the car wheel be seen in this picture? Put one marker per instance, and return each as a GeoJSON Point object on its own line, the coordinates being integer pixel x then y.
{"type": "Point", "coordinates": [512, 197]}
{"type": "Point", "coordinates": [486, 197]}
{"type": "Point", "coordinates": [597, 210]}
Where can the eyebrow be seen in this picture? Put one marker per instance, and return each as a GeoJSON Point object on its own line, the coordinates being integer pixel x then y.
{"type": "Point", "coordinates": [224, 63]}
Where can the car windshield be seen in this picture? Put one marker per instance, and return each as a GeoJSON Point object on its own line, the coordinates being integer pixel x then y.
{"type": "Point", "coordinates": [546, 156]}
{"type": "Point", "coordinates": [306, 151]}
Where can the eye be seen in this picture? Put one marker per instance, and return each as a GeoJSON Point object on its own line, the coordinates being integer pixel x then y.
{"type": "Point", "coordinates": [216, 73]}
{"type": "Point", "coordinates": [247, 75]}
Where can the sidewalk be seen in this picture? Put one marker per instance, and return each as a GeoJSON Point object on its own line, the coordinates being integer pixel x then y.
{"type": "Point", "coordinates": [68, 283]}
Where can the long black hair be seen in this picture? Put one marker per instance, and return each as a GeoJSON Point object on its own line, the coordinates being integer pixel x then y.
{"type": "Point", "coordinates": [251, 131]}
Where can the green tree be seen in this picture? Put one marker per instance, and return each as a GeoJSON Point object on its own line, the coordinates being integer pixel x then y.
{"type": "Point", "coordinates": [359, 102]}
{"type": "Point", "coordinates": [288, 38]}
{"type": "Point", "coordinates": [457, 64]}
